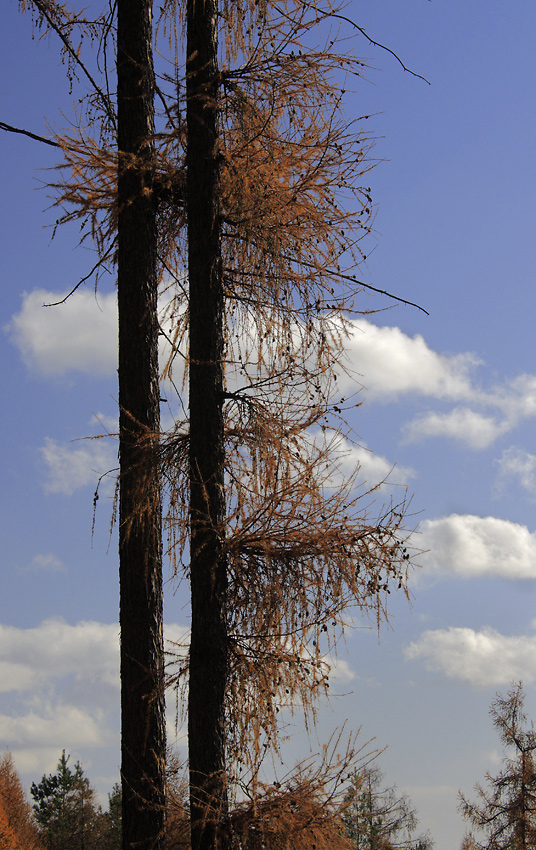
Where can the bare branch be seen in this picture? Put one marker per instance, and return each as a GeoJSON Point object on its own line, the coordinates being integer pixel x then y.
{"type": "Point", "coordinates": [9, 129]}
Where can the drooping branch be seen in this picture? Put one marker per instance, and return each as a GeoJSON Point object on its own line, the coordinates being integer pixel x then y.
{"type": "Point", "coordinates": [347, 20]}
{"type": "Point", "coordinates": [46, 10]}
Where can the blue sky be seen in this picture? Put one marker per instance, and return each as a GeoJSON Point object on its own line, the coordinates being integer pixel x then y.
{"type": "Point", "coordinates": [450, 397]}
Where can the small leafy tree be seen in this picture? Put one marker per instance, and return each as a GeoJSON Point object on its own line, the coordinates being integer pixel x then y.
{"type": "Point", "coordinates": [18, 830]}
{"type": "Point", "coordinates": [506, 810]}
{"type": "Point", "coordinates": [66, 809]}
{"type": "Point", "coordinates": [378, 817]}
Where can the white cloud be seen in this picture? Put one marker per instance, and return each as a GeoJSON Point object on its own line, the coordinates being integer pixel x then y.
{"type": "Point", "coordinates": [55, 649]}
{"type": "Point", "coordinates": [518, 464]}
{"type": "Point", "coordinates": [16, 677]}
{"type": "Point", "coordinates": [81, 336]}
{"type": "Point", "coordinates": [48, 563]}
{"type": "Point", "coordinates": [76, 464]}
{"type": "Point", "coordinates": [477, 430]}
{"type": "Point", "coordinates": [471, 546]}
{"type": "Point", "coordinates": [58, 723]}
{"type": "Point", "coordinates": [482, 658]}
{"type": "Point", "coordinates": [392, 363]}
{"type": "Point", "coordinates": [77, 336]}
{"type": "Point", "coordinates": [343, 457]}
{"type": "Point", "coordinates": [339, 670]}
{"type": "Point", "coordinates": [106, 424]}
{"type": "Point", "coordinates": [87, 651]}
{"type": "Point", "coordinates": [37, 761]}
{"type": "Point", "coordinates": [376, 468]}
{"type": "Point", "coordinates": [60, 688]}
{"type": "Point", "coordinates": [518, 398]}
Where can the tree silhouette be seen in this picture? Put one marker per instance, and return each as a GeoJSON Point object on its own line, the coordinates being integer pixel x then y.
{"type": "Point", "coordinates": [377, 817]}
{"type": "Point", "coordinates": [506, 810]}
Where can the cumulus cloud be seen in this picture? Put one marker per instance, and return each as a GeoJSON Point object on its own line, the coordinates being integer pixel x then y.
{"type": "Point", "coordinates": [89, 650]}
{"type": "Point", "coordinates": [55, 649]}
{"type": "Point", "coordinates": [37, 761]}
{"type": "Point", "coordinates": [339, 670]}
{"type": "Point", "coordinates": [77, 336]}
{"type": "Point", "coordinates": [392, 363]}
{"type": "Point", "coordinates": [520, 465]}
{"type": "Point", "coordinates": [60, 686]}
{"type": "Point", "coordinates": [56, 723]}
{"type": "Point", "coordinates": [471, 546]}
{"type": "Point", "coordinates": [476, 429]}
{"type": "Point", "coordinates": [81, 336]}
{"type": "Point", "coordinates": [376, 468]}
{"type": "Point", "coordinates": [518, 398]}
{"type": "Point", "coordinates": [482, 658]}
{"type": "Point", "coordinates": [75, 464]}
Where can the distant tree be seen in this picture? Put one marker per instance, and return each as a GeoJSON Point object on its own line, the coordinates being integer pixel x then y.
{"type": "Point", "coordinates": [110, 822]}
{"type": "Point", "coordinates": [66, 810]}
{"type": "Point", "coordinates": [18, 830]}
{"type": "Point", "coordinates": [378, 817]}
{"type": "Point", "coordinates": [506, 810]}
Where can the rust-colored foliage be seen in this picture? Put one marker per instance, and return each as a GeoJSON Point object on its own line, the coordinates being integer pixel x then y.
{"type": "Point", "coordinates": [303, 811]}
{"type": "Point", "coordinates": [307, 546]}
{"type": "Point", "coordinates": [17, 827]}
{"type": "Point", "coordinates": [304, 544]}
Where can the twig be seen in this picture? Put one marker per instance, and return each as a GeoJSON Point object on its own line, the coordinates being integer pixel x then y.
{"type": "Point", "coordinates": [381, 46]}
{"type": "Point", "coordinates": [9, 129]}
{"type": "Point", "coordinates": [375, 43]}
{"type": "Point", "coordinates": [80, 282]}
{"type": "Point", "coordinates": [41, 7]}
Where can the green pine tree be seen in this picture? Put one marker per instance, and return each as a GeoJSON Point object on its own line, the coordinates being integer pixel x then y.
{"type": "Point", "coordinates": [110, 821]}
{"type": "Point", "coordinates": [66, 810]}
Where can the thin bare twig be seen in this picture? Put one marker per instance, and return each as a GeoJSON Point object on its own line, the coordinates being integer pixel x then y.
{"type": "Point", "coordinates": [41, 7]}
{"type": "Point", "coordinates": [9, 129]}
{"type": "Point", "coordinates": [375, 43]}
{"type": "Point", "coordinates": [81, 281]}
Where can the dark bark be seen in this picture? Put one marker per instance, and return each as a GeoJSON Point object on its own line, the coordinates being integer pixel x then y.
{"type": "Point", "coordinates": [208, 572]}
{"type": "Point", "coordinates": [140, 532]}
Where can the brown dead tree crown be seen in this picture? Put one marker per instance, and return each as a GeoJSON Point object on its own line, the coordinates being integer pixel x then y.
{"type": "Point", "coordinates": [263, 220]}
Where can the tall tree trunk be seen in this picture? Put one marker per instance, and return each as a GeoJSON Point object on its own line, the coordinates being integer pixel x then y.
{"type": "Point", "coordinates": [208, 571]}
{"type": "Point", "coordinates": [140, 515]}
